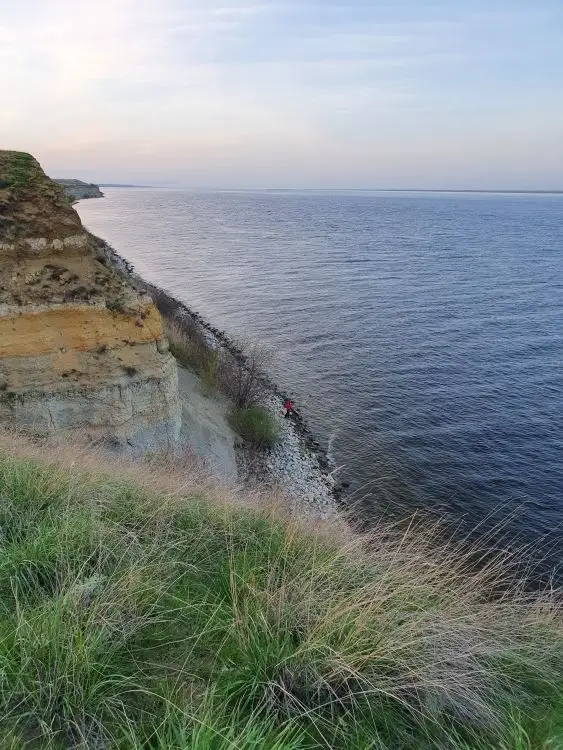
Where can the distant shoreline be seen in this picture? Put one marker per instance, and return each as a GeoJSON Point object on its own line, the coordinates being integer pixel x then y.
{"type": "Point", "coordinates": [469, 191]}
{"type": "Point", "coordinates": [122, 185]}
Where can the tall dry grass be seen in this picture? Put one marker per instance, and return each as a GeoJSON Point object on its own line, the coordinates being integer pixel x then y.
{"type": "Point", "coordinates": [190, 347]}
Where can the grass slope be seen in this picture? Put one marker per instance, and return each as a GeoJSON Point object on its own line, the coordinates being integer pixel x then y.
{"type": "Point", "coordinates": [139, 617]}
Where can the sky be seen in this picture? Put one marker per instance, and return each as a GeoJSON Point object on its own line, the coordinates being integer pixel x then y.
{"type": "Point", "coordinates": [287, 94]}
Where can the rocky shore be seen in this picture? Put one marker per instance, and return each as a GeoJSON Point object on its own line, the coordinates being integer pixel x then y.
{"type": "Point", "coordinates": [304, 475]}
{"type": "Point", "coordinates": [297, 466]}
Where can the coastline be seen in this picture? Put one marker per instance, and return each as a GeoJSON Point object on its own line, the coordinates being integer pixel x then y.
{"type": "Point", "coordinates": [167, 584]}
{"type": "Point", "coordinates": [297, 465]}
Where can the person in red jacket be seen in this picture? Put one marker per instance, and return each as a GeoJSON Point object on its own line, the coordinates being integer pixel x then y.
{"type": "Point", "coordinates": [288, 408]}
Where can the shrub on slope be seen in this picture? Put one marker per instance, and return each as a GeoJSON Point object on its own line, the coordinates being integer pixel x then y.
{"type": "Point", "coordinates": [256, 425]}
{"type": "Point", "coordinates": [133, 618]}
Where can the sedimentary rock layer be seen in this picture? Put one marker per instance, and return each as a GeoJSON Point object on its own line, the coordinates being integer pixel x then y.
{"type": "Point", "coordinates": [80, 349]}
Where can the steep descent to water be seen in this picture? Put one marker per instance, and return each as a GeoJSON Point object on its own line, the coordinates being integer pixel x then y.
{"type": "Point", "coordinates": [420, 333]}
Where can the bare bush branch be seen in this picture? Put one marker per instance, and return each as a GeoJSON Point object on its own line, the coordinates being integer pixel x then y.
{"type": "Point", "coordinates": [242, 374]}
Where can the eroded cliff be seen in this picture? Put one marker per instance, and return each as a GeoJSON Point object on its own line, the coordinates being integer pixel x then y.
{"type": "Point", "coordinates": [80, 349]}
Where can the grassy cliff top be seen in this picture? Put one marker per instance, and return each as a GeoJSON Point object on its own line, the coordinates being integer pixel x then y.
{"type": "Point", "coordinates": [141, 609]}
{"type": "Point", "coordinates": [31, 204]}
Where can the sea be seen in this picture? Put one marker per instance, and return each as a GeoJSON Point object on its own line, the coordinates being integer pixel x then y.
{"type": "Point", "coordinates": [419, 333]}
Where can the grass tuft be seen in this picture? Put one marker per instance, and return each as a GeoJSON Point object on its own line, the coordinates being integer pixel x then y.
{"type": "Point", "coordinates": [256, 425]}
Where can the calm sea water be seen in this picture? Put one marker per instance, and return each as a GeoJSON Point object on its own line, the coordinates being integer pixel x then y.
{"type": "Point", "coordinates": [420, 334]}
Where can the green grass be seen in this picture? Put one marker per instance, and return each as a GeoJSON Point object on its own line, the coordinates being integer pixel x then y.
{"type": "Point", "coordinates": [256, 425]}
{"type": "Point", "coordinates": [17, 170]}
{"type": "Point", "coordinates": [133, 617]}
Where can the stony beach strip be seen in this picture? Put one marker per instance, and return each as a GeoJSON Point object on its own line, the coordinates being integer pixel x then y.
{"type": "Point", "coordinates": [296, 465]}
{"type": "Point", "coordinates": [304, 476]}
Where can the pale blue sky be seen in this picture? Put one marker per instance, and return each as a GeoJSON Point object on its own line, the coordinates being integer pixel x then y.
{"type": "Point", "coordinates": [295, 93]}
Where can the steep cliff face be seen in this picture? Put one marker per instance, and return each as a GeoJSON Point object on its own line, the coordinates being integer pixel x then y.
{"type": "Point", "coordinates": [80, 349]}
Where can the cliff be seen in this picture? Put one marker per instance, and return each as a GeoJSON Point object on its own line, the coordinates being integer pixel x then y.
{"type": "Point", "coordinates": [77, 190]}
{"type": "Point", "coordinates": [80, 349]}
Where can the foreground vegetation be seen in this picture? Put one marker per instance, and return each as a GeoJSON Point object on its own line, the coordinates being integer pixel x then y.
{"type": "Point", "coordinates": [155, 613]}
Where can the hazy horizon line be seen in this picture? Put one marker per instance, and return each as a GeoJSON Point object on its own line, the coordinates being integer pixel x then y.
{"type": "Point", "coordinates": [205, 188]}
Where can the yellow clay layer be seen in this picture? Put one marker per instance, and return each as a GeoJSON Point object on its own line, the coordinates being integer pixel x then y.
{"type": "Point", "coordinates": [79, 328]}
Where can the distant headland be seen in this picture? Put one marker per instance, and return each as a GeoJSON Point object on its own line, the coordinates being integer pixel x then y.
{"type": "Point", "coordinates": [77, 190]}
